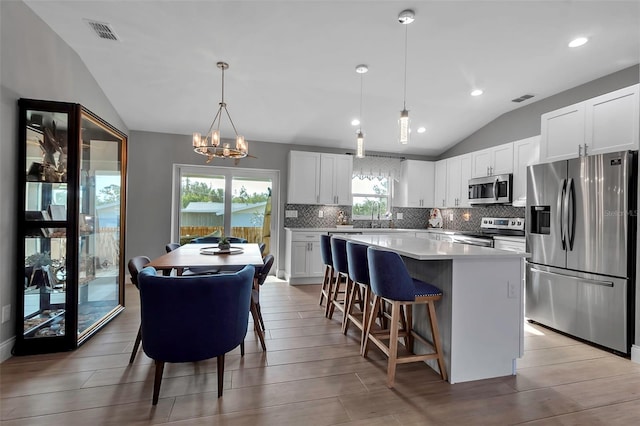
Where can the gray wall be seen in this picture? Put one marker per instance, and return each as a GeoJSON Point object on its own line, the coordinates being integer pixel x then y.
{"type": "Point", "coordinates": [524, 122]}
{"type": "Point", "coordinates": [151, 160]}
{"type": "Point", "coordinates": [35, 63]}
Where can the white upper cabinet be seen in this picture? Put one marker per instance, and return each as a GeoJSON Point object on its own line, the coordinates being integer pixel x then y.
{"type": "Point", "coordinates": [458, 174]}
{"type": "Point", "coordinates": [465, 175]}
{"type": "Point", "coordinates": [336, 172]}
{"type": "Point", "coordinates": [318, 178]}
{"type": "Point", "coordinates": [416, 188]}
{"type": "Point", "coordinates": [612, 121]}
{"type": "Point", "coordinates": [304, 177]}
{"type": "Point", "coordinates": [602, 124]}
{"type": "Point", "coordinates": [526, 152]}
{"type": "Point", "coordinates": [440, 184]}
{"type": "Point", "coordinates": [562, 133]}
{"type": "Point", "coordinates": [496, 160]}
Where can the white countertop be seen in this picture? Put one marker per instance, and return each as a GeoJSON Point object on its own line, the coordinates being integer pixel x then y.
{"type": "Point", "coordinates": [422, 249]}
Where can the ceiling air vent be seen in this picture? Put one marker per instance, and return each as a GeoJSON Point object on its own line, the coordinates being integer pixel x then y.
{"type": "Point", "coordinates": [102, 30]}
{"type": "Point", "coordinates": [522, 98]}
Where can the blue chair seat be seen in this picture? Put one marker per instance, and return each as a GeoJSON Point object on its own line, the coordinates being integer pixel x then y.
{"type": "Point", "coordinates": [425, 289]}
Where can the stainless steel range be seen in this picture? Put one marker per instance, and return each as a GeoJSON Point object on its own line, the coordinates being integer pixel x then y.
{"type": "Point", "coordinates": [490, 227]}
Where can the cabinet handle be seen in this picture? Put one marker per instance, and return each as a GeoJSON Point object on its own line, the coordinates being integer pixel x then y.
{"type": "Point", "coordinates": [585, 149]}
{"type": "Point", "coordinates": [443, 203]}
{"type": "Point", "coordinates": [491, 170]}
{"type": "Point", "coordinates": [487, 170]}
{"type": "Point", "coordinates": [579, 150]}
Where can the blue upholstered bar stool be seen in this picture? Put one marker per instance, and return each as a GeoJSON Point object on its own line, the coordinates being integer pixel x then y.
{"type": "Point", "coordinates": [341, 269]}
{"type": "Point", "coordinates": [359, 274]}
{"type": "Point", "coordinates": [327, 281]}
{"type": "Point", "coordinates": [391, 282]}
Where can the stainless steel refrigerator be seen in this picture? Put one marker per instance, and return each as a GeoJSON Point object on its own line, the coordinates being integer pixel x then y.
{"type": "Point", "coordinates": [581, 221]}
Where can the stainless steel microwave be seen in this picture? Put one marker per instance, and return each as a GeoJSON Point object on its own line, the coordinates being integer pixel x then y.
{"type": "Point", "coordinates": [496, 189]}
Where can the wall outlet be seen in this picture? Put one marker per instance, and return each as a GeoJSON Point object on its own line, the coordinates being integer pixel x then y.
{"type": "Point", "coordinates": [291, 213]}
{"type": "Point", "coordinates": [451, 217]}
{"type": "Point", "coordinates": [320, 213]}
{"type": "Point", "coordinates": [399, 216]}
{"type": "Point", "coordinates": [512, 290]}
{"type": "Point", "coordinates": [6, 313]}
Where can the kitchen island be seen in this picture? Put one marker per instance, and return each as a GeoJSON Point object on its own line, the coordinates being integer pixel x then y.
{"type": "Point", "coordinates": [481, 313]}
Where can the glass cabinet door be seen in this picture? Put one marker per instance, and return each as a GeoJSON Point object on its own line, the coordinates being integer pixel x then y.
{"type": "Point", "coordinates": [100, 210]}
{"type": "Point", "coordinates": [45, 217]}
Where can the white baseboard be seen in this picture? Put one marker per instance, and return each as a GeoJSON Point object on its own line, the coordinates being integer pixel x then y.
{"type": "Point", "coordinates": [5, 349]}
{"type": "Point", "coordinates": [635, 354]}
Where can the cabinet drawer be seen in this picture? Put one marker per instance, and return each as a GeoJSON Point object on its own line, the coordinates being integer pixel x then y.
{"type": "Point", "coordinates": [306, 236]}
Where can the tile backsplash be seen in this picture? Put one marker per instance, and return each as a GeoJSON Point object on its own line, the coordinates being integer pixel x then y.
{"type": "Point", "coordinates": [462, 219]}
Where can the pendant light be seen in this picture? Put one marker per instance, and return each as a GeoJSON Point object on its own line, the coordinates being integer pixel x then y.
{"type": "Point", "coordinates": [209, 145]}
{"type": "Point", "coordinates": [360, 69]}
{"type": "Point", "coordinates": [404, 132]}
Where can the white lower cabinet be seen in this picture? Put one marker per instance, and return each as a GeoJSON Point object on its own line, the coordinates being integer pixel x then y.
{"type": "Point", "coordinates": [303, 259]}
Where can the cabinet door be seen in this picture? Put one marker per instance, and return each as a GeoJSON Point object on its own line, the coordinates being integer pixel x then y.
{"type": "Point", "coordinates": [304, 177]}
{"type": "Point", "coordinates": [502, 159]}
{"type": "Point", "coordinates": [314, 260]}
{"type": "Point", "coordinates": [440, 187]}
{"type": "Point", "coordinates": [482, 161]}
{"type": "Point", "coordinates": [343, 174]}
{"type": "Point", "coordinates": [526, 152]}
{"type": "Point", "coordinates": [612, 121]}
{"type": "Point", "coordinates": [465, 175]}
{"type": "Point", "coordinates": [414, 190]}
{"type": "Point", "coordinates": [299, 252]}
{"type": "Point", "coordinates": [454, 180]}
{"type": "Point", "coordinates": [562, 131]}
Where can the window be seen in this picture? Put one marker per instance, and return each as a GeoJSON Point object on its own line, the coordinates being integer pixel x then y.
{"type": "Point", "coordinates": [371, 197]}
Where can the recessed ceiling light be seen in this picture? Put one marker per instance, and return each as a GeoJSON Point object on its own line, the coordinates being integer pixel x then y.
{"type": "Point", "coordinates": [421, 129]}
{"type": "Point", "coordinates": [576, 42]}
{"type": "Point", "coordinates": [355, 122]}
{"type": "Point", "coordinates": [477, 92]}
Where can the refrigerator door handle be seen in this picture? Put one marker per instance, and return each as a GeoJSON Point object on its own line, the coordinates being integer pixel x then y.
{"type": "Point", "coordinates": [561, 222]}
{"type": "Point", "coordinates": [571, 213]}
{"type": "Point", "coordinates": [584, 280]}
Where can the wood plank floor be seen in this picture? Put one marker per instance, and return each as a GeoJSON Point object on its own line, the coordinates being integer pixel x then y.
{"type": "Point", "coordinates": [311, 375]}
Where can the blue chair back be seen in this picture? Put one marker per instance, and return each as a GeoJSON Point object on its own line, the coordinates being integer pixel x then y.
{"type": "Point", "coordinates": [389, 276]}
{"type": "Point", "coordinates": [325, 249]}
{"type": "Point", "coordinates": [339, 255]}
{"type": "Point", "coordinates": [186, 319]}
{"type": "Point", "coordinates": [211, 240]}
{"type": "Point", "coordinates": [358, 264]}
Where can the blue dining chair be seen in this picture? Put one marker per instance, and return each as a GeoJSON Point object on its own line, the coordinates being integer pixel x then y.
{"type": "Point", "coordinates": [390, 281]}
{"type": "Point", "coordinates": [135, 265]}
{"type": "Point", "coordinates": [189, 319]}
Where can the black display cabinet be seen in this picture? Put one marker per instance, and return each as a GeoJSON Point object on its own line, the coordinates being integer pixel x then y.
{"type": "Point", "coordinates": [72, 180]}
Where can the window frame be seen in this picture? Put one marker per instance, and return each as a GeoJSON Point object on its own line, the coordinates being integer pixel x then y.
{"type": "Point", "coordinates": [388, 196]}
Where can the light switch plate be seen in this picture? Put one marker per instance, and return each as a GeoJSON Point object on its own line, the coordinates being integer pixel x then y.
{"type": "Point", "coordinates": [399, 216]}
{"type": "Point", "coordinates": [291, 213]}
{"type": "Point", "coordinates": [320, 213]}
{"type": "Point", "coordinates": [6, 313]}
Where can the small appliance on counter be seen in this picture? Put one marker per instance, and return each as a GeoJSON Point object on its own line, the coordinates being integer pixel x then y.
{"type": "Point", "coordinates": [435, 219]}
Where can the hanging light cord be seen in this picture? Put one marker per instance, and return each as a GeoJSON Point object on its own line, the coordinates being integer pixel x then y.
{"type": "Point", "coordinates": [361, 80]}
{"type": "Point", "coordinates": [406, 32]}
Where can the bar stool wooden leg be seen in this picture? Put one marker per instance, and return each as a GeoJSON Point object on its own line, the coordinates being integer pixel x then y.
{"type": "Point", "coordinates": [375, 308]}
{"type": "Point", "coordinates": [326, 283]}
{"type": "Point", "coordinates": [435, 332]}
{"type": "Point", "coordinates": [393, 344]}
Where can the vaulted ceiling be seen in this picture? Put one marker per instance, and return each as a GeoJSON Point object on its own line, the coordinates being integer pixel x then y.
{"type": "Point", "coordinates": [292, 72]}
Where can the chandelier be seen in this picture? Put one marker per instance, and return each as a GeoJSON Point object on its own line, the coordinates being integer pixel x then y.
{"type": "Point", "coordinates": [360, 69]}
{"type": "Point", "coordinates": [210, 145]}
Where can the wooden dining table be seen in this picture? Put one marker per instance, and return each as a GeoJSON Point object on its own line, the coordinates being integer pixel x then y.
{"type": "Point", "coordinates": [193, 256]}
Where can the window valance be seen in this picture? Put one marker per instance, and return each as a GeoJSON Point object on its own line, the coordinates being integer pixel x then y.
{"type": "Point", "coordinates": [377, 166]}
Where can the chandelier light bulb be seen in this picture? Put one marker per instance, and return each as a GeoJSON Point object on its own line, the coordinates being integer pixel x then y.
{"type": "Point", "coordinates": [360, 144]}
